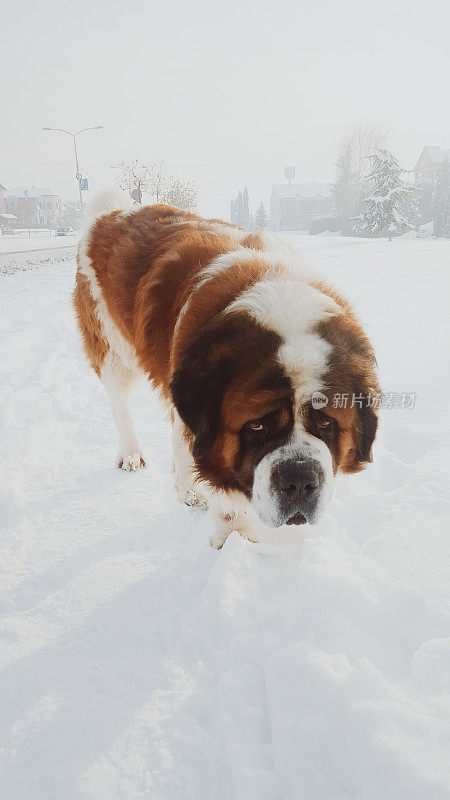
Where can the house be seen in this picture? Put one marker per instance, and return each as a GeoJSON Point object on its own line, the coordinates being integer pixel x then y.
{"type": "Point", "coordinates": [7, 222]}
{"type": "Point", "coordinates": [52, 208]}
{"type": "Point", "coordinates": [294, 206]}
{"type": "Point", "coordinates": [35, 207]}
{"type": "Point", "coordinates": [429, 163]}
{"type": "Point", "coordinates": [25, 209]}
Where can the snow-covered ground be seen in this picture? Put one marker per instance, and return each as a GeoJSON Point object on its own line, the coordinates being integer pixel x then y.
{"type": "Point", "coordinates": [137, 662]}
{"type": "Point", "coordinates": [28, 252]}
{"type": "Point", "coordinates": [36, 241]}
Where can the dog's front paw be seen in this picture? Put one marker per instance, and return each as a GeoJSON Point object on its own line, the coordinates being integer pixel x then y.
{"type": "Point", "coordinates": [131, 463]}
{"type": "Point", "coordinates": [188, 493]}
{"type": "Point", "coordinates": [191, 497]}
{"type": "Point", "coordinates": [229, 523]}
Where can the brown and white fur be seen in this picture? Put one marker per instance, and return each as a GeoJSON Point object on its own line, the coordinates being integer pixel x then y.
{"type": "Point", "coordinates": [237, 333]}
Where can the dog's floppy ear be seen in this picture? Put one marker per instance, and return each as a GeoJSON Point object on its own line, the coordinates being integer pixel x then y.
{"type": "Point", "coordinates": [227, 348]}
{"type": "Point", "coordinates": [368, 424]}
{"type": "Point", "coordinates": [198, 386]}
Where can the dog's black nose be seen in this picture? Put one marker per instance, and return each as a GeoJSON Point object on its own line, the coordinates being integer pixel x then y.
{"type": "Point", "coordinates": [296, 480]}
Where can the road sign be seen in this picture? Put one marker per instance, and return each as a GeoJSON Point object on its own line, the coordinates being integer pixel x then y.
{"type": "Point", "coordinates": [84, 186]}
{"type": "Point", "coordinates": [136, 194]}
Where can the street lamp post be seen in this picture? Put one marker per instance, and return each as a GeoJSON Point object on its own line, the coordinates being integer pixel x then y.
{"type": "Point", "coordinates": [74, 137]}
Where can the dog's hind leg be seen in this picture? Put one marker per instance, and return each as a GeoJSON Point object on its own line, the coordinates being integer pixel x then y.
{"type": "Point", "coordinates": [119, 381]}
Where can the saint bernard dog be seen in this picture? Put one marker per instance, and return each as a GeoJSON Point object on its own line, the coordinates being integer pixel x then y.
{"type": "Point", "coordinates": [239, 335]}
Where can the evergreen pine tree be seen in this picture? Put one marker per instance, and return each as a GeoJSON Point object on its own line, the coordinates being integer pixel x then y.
{"type": "Point", "coordinates": [385, 197]}
{"type": "Point", "coordinates": [239, 209]}
{"type": "Point", "coordinates": [413, 211]}
{"type": "Point", "coordinates": [245, 208]}
{"type": "Point", "coordinates": [261, 220]}
{"type": "Point", "coordinates": [441, 202]}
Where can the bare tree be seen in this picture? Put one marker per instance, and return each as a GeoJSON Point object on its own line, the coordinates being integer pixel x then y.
{"type": "Point", "coordinates": [159, 182]}
{"type": "Point", "coordinates": [134, 175]}
{"type": "Point", "coordinates": [152, 180]}
{"type": "Point", "coordinates": [181, 195]}
{"type": "Point", "coordinates": [346, 188]}
{"type": "Point", "coordinates": [353, 167]}
{"type": "Point", "coordinates": [365, 140]}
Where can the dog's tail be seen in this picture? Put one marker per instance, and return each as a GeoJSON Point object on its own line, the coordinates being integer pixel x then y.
{"type": "Point", "coordinates": [106, 201]}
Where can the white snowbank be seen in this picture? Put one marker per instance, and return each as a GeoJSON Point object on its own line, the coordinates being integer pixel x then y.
{"type": "Point", "coordinates": [140, 663]}
{"type": "Point", "coordinates": [37, 241]}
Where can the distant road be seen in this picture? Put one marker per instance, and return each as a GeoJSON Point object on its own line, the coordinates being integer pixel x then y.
{"type": "Point", "coordinates": [20, 244]}
{"type": "Point", "coordinates": [18, 256]}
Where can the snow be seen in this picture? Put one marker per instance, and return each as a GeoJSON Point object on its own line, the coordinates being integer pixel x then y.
{"type": "Point", "coordinates": [37, 242]}
{"type": "Point", "coordinates": [137, 662]}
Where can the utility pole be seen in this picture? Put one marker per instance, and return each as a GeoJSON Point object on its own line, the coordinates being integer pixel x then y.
{"type": "Point", "coordinates": [74, 137]}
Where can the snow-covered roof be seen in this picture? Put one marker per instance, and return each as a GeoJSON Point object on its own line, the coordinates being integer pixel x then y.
{"type": "Point", "coordinates": [8, 216]}
{"type": "Point", "coordinates": [23, 191]}
{"type": "Point", "coordinates": [438, 154]}
{"type": "Point", "coordinates": [311, 189]}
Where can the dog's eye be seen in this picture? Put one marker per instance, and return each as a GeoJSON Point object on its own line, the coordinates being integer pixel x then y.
{"type": "Point", "coordinates": [325, 427]}
{"type": "Point", "coordinates": [255, 425]}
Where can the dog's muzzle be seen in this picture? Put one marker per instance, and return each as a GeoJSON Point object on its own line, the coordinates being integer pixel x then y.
{"type": "Point", "coordinates": [297, 483]}
{"type": "Point", "coordinates": [293, 483]}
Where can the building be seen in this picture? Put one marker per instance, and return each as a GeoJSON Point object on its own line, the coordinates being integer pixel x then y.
{"type": "Point", "coordinates": [428, 173]}
{"type": "Point", "coordinates": [7, 221]}
{"type": "Point", "coordinates": [26, 210]}
{"type": "Point", "coordinates": [2, 199]}
{"type": "Point", "coordinates": [35, 207]}
{"type": "Point", "coordinates": [72, 214]}
{"type": "Point", "coordinates": [294, 206]}
{"type": "Point", "coordinates": [53, 209]}
{"type": "Point", "coordinates": [429, 163]}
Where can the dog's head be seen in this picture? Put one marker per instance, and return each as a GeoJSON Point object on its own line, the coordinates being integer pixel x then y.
{"type": "Point", "coordinates": [277, 391]}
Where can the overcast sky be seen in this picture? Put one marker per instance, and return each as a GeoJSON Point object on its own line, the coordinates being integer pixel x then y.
{"type": "Point", "coordinates": [227, 93]}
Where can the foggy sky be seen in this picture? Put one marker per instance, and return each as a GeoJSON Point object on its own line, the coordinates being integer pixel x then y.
{"type": "Point", "coordinates": [202, 84]}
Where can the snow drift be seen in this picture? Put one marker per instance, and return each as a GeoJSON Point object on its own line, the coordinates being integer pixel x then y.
{"type": "Point", "coordinates": [137, 662]}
